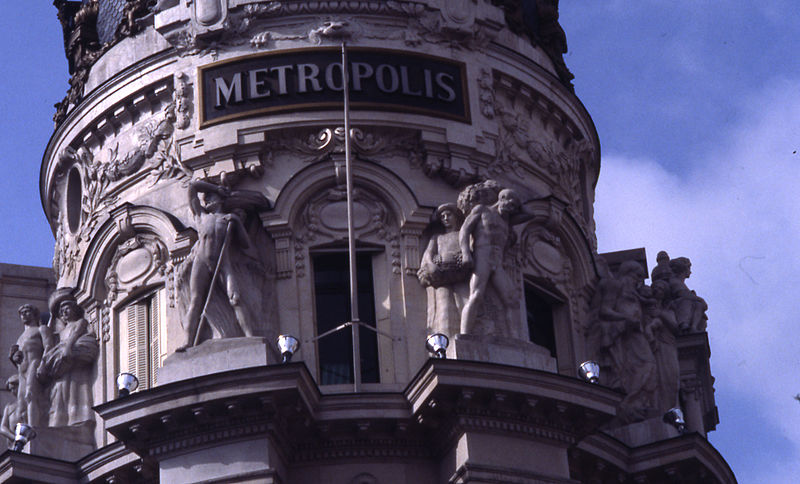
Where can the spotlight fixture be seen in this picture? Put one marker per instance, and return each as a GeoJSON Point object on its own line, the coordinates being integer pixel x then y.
{"type": "Point", "coordinates": [674, 417]}
{"type": "Point", "coordinates": [127, 383]}
{"type": "Point", "coordinates": [23, 434]}
{"type": "Point", "coordinates": [590, 371]}
{"type": "Point", "coordinates": [437, 345]}
{"type": "Point", "coordinates": [288, 346]}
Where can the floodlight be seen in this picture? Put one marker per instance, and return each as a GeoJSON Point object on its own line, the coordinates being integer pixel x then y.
{"type": "Point", "coordinates": [22, 435]}
{"type": "Point", "coordinates": [288, 346]}
{"type": "Point", "coordinates": [437, 345]}
{"type": "Point", "coordinates": [590, 371]}
{"type": "Point", "coordinates": [127, 383]}
{"type": "Point", "coordinates": [674, 417]}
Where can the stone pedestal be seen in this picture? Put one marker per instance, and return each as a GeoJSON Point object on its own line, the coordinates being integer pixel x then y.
{"type": "Point", "coordinates": [215, 356]}
{"type": "Point", "coordinates": [63, 443]}
{"type": "Point", "coordinates": [504, 351]}
{"type": "Point", "coordinates": [644, 432]}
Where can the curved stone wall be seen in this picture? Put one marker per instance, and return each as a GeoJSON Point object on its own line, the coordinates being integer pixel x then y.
{"type": "Point", "coordinates": [190, 102]}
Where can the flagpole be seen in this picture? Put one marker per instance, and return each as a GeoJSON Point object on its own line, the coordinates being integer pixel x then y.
{"type": "Point", "coordinates": [351, 240]}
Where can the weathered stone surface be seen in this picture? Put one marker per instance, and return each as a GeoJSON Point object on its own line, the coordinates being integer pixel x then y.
{"type": "Point", "coordinates": [67, 443]}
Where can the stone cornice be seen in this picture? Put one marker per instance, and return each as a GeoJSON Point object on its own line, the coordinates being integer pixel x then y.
{"type": "Point", "coordinates": [19, 467]}
{"type": "Point", "coordinates": [467, 374]}
{"type": "Point", "coordinates": [445, 400]}
{"type": "Point", "coordinates": [690, 457]}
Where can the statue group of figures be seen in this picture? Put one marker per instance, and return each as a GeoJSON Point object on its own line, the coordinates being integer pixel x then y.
{"type": "Point", "coordinates": [633, 331]}
{"type": "Point", "coordinates": [54, 358]}
{"type": "Point", "coordinates": [465, 261]}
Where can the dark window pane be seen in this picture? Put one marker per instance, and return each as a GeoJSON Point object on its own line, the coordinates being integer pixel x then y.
{"type": "Point", "coordinates": [332, 292]}
{"type": "Point", "coordinates": [540, 320]}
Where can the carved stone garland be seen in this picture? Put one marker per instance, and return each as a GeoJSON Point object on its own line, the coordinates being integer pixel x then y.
{"type": "Point", "coordinates": [154, 150]}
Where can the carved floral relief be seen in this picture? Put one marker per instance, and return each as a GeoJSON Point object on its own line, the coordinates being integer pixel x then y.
{"type": "Point", "coordinates": [146, 147]}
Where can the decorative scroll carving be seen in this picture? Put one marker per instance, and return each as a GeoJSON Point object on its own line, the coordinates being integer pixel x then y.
{"type": "Point", "coordinates": [193, 38]}
{"type": "Point", "coordinates": [67, 250]}
{"type": "Point", "coordinates": [372, 143]}
{"type": "Point", "coordinates": [449, 26]}
{"type": "Point", "coordinates": [135, 263]}
{"type": "Point", "coordinates": [183, 101]}
{"type": "Point", "coordinates": [455, 27]}
{"type": "Point", "coordinates": [132, 12]}
{"type": "Point", "coordinates": [533, 133]}
{"type": "Point", "coordinates": [486, 93]}
{"type": "Point", "coordinates": [543, 252]}
{"type": "Point", "coordinates": [152, 148]}
{"type": "Point", "coordinates": [324, 219]}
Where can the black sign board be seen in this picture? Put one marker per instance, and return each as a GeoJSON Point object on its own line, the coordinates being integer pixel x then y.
{"type": "Point", "coordinates": [309, 79]}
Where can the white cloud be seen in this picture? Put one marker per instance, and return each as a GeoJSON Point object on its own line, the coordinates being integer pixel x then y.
{"type": "Point", "coordinates": [736, 215]}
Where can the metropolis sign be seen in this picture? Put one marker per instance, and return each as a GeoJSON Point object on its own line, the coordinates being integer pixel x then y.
{"type": "Point", "coordinates": [311, 79]}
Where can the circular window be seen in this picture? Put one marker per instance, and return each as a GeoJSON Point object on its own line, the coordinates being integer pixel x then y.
{"type": "Point", "coordinates": [73, 202]}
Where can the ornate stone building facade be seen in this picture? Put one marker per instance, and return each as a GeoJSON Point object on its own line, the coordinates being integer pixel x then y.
{"type": "Point", "coordinates": [195, 186]}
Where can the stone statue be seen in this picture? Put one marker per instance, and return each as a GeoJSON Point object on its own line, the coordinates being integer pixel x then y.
{"type": "Point", "coordinates": [690, 309]}
{"type": "Point", "coordinates": [222, 257]}
{"type": "Point", "coordinates": [10, 418]}
{"type": "Point", "coordinates": [484, 237]}
{"type": "Point", "coordinates": [70, 350]}
{"type": "Point", "coordinates": [661, 329]}
{"type": "Point", "coordinates": [131, 11]}
{"type": "Point", "coordinates": [661, 272]}
{"type": "Point", "coordinates": [442, 269]}
{"type": "Point", "coordinates": [27, 354]}
{"type": "Point", "coordinates": [619, 343]}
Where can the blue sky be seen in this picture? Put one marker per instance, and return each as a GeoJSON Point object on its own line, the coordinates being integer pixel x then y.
{"type": "Point", "coordinates": [697, 104]}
